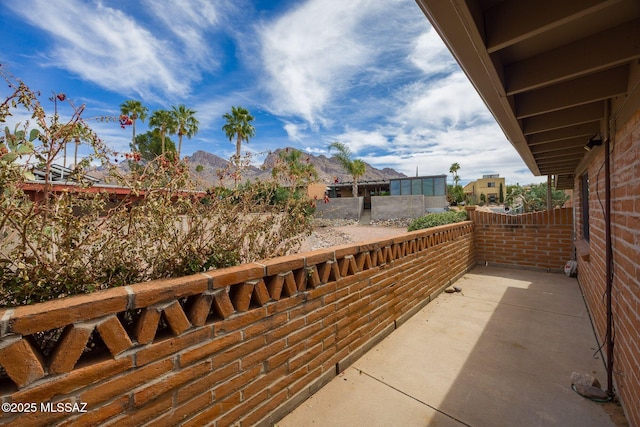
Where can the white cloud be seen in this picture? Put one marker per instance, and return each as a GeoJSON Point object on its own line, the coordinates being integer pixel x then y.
{"type": "Point", "coordinates": [431, 55]}
{"type": "Point", "coordinates": [189, 23]}
{"type": "Point", "coordinates": [295, 130]}
{"type": "Point", "coordinates": [312, 53]}
{"type": "Point", "coordinates": [111, 49]}
{"type": "Point", "coordinates": [447, 102]}
{"type": "Point", "coordinates": [363, 140]}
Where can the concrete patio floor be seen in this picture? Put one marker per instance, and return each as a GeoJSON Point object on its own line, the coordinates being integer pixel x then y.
{"type": "Point", "coordinates": [500, 353]}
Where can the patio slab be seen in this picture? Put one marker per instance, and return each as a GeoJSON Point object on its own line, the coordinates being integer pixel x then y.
{"type": "Point", "coordinates": [498, 353]}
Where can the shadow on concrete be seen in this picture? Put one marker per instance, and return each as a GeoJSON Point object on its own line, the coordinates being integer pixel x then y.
{"type": "Point", "coordinates": [499, 353]}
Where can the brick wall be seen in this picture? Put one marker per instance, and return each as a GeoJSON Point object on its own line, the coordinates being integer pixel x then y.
{"type": "Point", "coordinates": [536, 240]}
{"type": "Point", "coordinates": [625, 228]}
{"type": "Point", "coordinates": [239, 345]}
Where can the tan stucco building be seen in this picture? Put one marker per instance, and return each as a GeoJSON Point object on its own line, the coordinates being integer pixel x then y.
{"type": "Point", "coordinates": [489, 185]}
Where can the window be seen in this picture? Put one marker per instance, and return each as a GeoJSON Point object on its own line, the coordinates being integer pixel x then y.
{"type": "Point", "coordinates": [394, 188]}
{"type": "Point", "coordinates": [416, 186]}
{"type": "Point", "coordinates": [584, 201]}
{"type": "Point", "coordinates": [439, 187]}
{"type": "Point", "coordinates": [491, 184]}
{"type": "Point", "coordinates": [405, 189]}
{"type": "Point", "coordinates": [427, 186]}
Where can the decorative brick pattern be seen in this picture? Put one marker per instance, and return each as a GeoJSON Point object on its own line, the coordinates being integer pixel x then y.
{"type": "Point", "coordinates": [21, 361]}
{"type": "Point", "coordinates": [70, 348]}
{"type": "Point", "coordinates": [114, 335]}
{"type": "Point", "coordinates": [231, 345]}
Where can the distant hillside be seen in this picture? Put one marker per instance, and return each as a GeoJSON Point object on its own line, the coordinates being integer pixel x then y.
{"type": "Point", "coordinates": [328, 168]}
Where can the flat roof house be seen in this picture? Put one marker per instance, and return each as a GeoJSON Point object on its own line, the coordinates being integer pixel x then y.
{"type": "Point", "coordinates": [562, 79]}
{"type": "Point", "coordinates": [492, 186]}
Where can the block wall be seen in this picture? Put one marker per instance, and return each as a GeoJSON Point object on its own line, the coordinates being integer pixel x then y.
{"type": "Point", "coordinates": [340, 208]}
{"type": "Point", "coordinates": [242, 345]}
{"type": "Point", "coordinates": [536, 240]}
{"type": "Point", "coordinates": [625, 229]}
{"type": "Point", "coordinates": [388, 207]}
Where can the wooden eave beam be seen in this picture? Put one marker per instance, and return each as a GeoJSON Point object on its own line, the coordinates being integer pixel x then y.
{"type": "Point", "coordinates": [561, 160]}
{"type": "Point", "coordinates": [594, 87]}
{"type": "Point", "coordinates": [559, 145]}
{"type": "Point", "coordinates": [564, 153]}
{"type": "Point", "coordinates": [567, 117]}
{"type": "Point", "coordinates": [558, 171]}
{"type": "Point", "coordinates": [513, 21]}
{"type": "Point", "coordinates": [595, 53]}
{"type": "Point", "coordinates": [585, 130]}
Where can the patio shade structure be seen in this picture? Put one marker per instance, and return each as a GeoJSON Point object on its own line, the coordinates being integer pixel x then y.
{"type": "Point", "coordinates": [546, 69]}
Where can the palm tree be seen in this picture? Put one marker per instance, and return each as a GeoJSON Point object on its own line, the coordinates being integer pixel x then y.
{"type": "Point", "coordinates": [165, 122]}
{"type": "Point", "coordinates": [354, 167]}
{"type": "Point", "coordinates": [135, 110]}
{"type": "Point", "coordinates": [239, 126]}
{"type": "Point", "coordinates": [294, 167]}
{"type": "Point", "coordinates": [455, 167]}
{"type": "Point", "coordinates": [186, 123]}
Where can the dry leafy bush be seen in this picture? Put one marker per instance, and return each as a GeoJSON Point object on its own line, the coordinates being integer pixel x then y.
{"type": "Point", "coordinates": [82, 239]}
{"type": "Point", "coordinates": [436, 219]}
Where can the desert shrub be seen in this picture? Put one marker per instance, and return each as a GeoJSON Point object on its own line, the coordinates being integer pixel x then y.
{"type": "Point", "coordinates": [81, 239]}
{"type": "Point", "coordinates": [436, 219]}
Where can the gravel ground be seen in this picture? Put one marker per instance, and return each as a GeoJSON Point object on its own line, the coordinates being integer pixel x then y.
{"type": "Point", "coordinates": [325, 235]}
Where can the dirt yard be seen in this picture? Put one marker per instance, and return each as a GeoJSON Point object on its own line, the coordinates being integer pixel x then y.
{"type": "Point", "coordinates": [324, 236]}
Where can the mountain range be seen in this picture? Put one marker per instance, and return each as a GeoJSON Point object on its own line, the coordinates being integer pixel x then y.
{"type": "Point", "coordinates": [328, 168]}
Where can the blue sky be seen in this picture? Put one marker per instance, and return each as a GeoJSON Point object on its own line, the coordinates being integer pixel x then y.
{"type": "Point", "coordinates": [371, 74]}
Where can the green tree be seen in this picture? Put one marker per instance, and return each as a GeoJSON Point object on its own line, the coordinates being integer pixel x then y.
{"type": "Point", "coordinates": [455, 194]}
{"type": "Point", "coordinates": [455, 167]}
{"type": "Point", "coordinates": [294, 168]}
{"type": "Point", "coordinates": [354, 167]}
{"type": "Point", "coordinates": [533, 197]}
{"type": "Point", "coordinates": [165, 122]}
{"type": "Point", "coordinates": [186, 123]}
{"type": "Point", "coordinates": [501, 196]}
{"type": "Point", "coordinates": [151, 145]}
{"type": "Point", "coordinates": [136, 111]}
{"type": "Point", "coordinates": [238, 126]}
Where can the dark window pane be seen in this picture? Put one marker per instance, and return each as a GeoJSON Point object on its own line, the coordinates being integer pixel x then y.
{"type": "Point", "coordinates": [394, 188]}
{"type": "Point", "coordinates": [405, 187]}
{"type": "Point", "coordinates": [439, 187]}
{"type": "Point", "coordinates": [416, 186]}
{"type": "Point", "coordinates": [427, 186]}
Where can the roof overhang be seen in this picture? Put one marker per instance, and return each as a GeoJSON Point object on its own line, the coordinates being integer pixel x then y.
{"type": "Point", "coordinates": [546, 69]}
